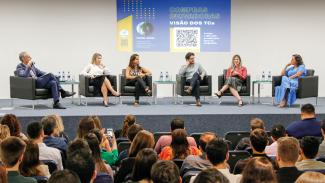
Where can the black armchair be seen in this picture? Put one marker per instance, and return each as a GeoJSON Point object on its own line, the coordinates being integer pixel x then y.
{"type": "Point", "coordinates": [246, 88]}
{"type": "Point", "coordinates": [205, 86]}
{"type": "Point", "coordinates": [129, 90]}
{"type": "Point", "coordinates": [25, 88]}
{"type": "Point", "coordinates": [307, 86]}
{"type": "Point", "coordinates": [87, 90]}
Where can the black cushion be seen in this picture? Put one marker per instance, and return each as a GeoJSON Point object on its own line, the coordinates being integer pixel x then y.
{"type": "Point", "coordinates": [202, 88]}
{"type": "Point", "coordinates": [42, 91]}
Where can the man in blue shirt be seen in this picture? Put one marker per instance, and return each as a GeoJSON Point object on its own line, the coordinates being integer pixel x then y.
{"type": "Point", "coordinates": [309, 125]}
{"type": "Point", "coordinates": [50, 140]}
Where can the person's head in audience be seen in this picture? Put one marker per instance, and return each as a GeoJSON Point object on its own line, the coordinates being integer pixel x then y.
{"type": "Point", "coordinates": [143, 139]}
{"type": "Point", "coordinates": [35, 132]}
{"type": "Point", "coordinates": [217, 153]}
{"type": "Point", "coordinates": [12, 122]}
{"type": "Point", "coordinates": [98, 133]}
{"type": "Point", "coordinates": [311, 177]}
{"type": "Point", "coordinates": [287, 151]}
{"type": "Point", "coordinates": [258, 140]}
{"type": "Point", "coordinates": [80, 160]}
{"type": "Point", "coordinates": [307, 111]}
{"type": "Point", "coordinates": [211, 175]}
{"type": "Point", "coordinates": [165, 172]}
{"type": "Point", "coordinates": [93, 143]}
{"type": "Point", "coordinates": [277, 131]}
{"type": "Point", "coordinates": [133, 131]}
{"type": "Point", "coordinates": [205, 138]}
{"type": "Point", "coordinates": [49, 126]}
{"type": "Point", "coordinates": [58, 123]}
{"type": "Point", "coordinates": [128, 121]}
{"type": "Point", "coordinates": [3, 174]}
{"type": "Point", "coordinates": [12, 152]}
{"type": "Point", "coordinates": [30, 163]}
{"type": "Point", "coordinates": [323, 128]}
{"type": "Point", "coordinates": [143, 163]}
{"type": "Point", "coordinates": [257, 123]}
{"type": "Point", "coordinates": [258, 169]}
{"type": "Point", "coordinates": [180, 144]}
{"type": "Point", "coordinates": [309, 147]}
{"type": "Point", "coordinates": [4, 132]}
{"type": "Point", "coordinates": [85, 125]}
{"type": "Point", "coordinates": [97, 122]}
{"type": "Point", "coordinates": [176, 123]}
{"type": "Point", "coordinates": [64, 176]}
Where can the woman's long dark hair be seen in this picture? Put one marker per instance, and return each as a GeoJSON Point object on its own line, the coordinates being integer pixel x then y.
{"type": "Point", "coordinates": [12, 122]}
{"type": "Point", "coordinates": [93, 143]}
{"type": "Point", "coordinates": [180, 144]}
{"type": "Point", "coordinates": [258, 169]}
{"type": "Point", "coordinates": [143, 139]}
{"type": "Point", "coordinates": [132, 58]}
{"type": "Point", "coordinates": [128, 121]}
{"type": "Point", "coordinates": [143, 163]}
{"type": "Point", "coordinates": [298, 59]}
{"type": "Point", "coordinates": [28, 166]}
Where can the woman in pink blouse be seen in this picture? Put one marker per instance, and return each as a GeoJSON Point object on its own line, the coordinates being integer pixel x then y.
{"type": "Point", "coordinates": [235, 77]}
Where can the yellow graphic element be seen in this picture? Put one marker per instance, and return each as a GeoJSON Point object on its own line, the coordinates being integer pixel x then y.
{"type": "Point", "coordinates": [173, 47]}
{"type": "Point", "coordinates": [125, 34]}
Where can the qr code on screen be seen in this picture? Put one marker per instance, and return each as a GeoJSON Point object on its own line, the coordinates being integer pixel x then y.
{"type": "Point", "coordinates": [187, 37]}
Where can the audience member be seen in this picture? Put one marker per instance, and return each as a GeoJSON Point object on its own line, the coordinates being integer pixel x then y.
{"type": "Point", "coordinates": [31, 165]}
{"type": "Point", "coordinates": [64, 176]}
{"type": "Point", "coordinates": [4, 132]}
{"type": "Point", "coordinates": [165, 140]}
{"type": "Point", "coordinates": [309, 125]}
{"type": "Point", "coordinates": [132, 132]}
{"type": "Point", "coordinates": [85, 125]}
{"type": "Point", "coordinates": [142, 140]}
{"type": "Point", "coordinates": [321, 150]}
{"type": "Point", "coordinates": [14, 125]}
{"type": "Point", "coordinates": [80, 160]}
{"type": "Point", "coordinates": [258, 141]}
{"type": "Point", "coordinates": [165, 172]}
{"type": "Point", "coordinates": [12, 153]}
{"type": "Point", "coordinates": [277, 132]}
{"type": "Point", "coordinates": [211, 175]}
{"type": "Point", "coordinates": [198, 162]}
{"type": "Point", "coordinates": [179, 147]}
{"type": "Point", "coordinates": [100, 165]}
{"type": "Point", "coordinates": [259, 169]}
{"type": "Point", "coordinates": [244, 143]}
{"type": "Point", "coordinates": [128, 121]}
{"type": "Point", "coordinates": [218, 154]}
{"type": "Point", "coordinates": [142, 165]}
{"type": "Point", "coordinates": [287, 156]}
{"type": "Point", "coordinates": [309, 148]}
{"type": "Point", "coordinates": [50, 129]}
{"type": "Point", "coordinates": [108, 154]}
{"type": "Point", "coordinates": [59, 123]}
{"type": "Point", "coordinates": [36, 134]}
{"type": "Point", "coordinates": [311, 177]}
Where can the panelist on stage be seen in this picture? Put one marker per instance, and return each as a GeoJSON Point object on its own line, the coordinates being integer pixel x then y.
{"type": "Point", "coordinates": [98, 78]}
{"type": "Point", "coordinates": [43, 80]}
{"type": "Point", "coordinates": [138, 76]}
{"type": "Point", "coordinates": [194, 74]}
{"type": "Point", "coordinates": [235, 77]}
{"type": "Point", "coordinates": [286, 92]}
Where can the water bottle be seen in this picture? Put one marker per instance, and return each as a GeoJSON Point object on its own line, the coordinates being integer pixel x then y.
{"type": "Point", "coordinates": [167, 76]}
{"type": "Point", "coordinates": [59, 75]}
{"type": "Point", "coordinates": [68, 76]}
{"type": "Point", "coordinates": [263, 76]}
{"type": "Point", "coordinates": [161, 78]}
{"type": "Point", "coordinates": [269, 76]}
{"type": "Point", "coordinates": [63, 76]}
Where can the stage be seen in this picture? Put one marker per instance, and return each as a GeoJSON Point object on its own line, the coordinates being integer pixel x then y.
{"type": "Point", "coordinates": [212, 116]}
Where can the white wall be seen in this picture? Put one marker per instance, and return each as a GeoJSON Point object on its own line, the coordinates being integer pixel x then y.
{"type": "Point", "coordinates": [62, 35]}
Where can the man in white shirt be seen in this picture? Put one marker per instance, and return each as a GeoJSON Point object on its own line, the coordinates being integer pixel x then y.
{"type": "Point", "coordinates": [36, 134]}
{"type": "Point", "coordinates": [218, 154]}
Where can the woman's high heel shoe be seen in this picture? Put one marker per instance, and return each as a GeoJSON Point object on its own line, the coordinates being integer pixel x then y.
{"type": "Point", "coordinates": [240, 103]}
{"type": "Point", "coordinates": [106, 105]}
{"type": "Point", "coordinates": [218, 95]}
